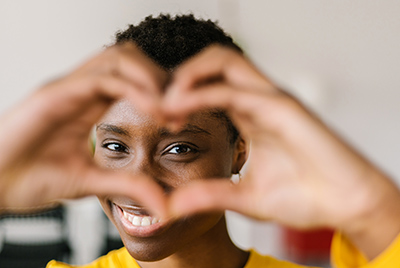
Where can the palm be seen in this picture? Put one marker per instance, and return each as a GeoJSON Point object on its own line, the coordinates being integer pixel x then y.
{"type": "Point", "coordinates": [293, 173]}
{"type": "Point", "coordinates": [59, 161]}
{"type": "Point", "coordinates": [54, 160]}
{"type": "Point", "coordinates": [298, 171]}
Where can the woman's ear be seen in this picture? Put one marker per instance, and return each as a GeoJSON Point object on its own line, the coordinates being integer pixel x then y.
{"type": "Point", "coordinates": [240, 154]}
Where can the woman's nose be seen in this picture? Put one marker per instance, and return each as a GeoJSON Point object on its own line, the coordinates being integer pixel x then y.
{"type": "Point", "coordinates": [145, 164]}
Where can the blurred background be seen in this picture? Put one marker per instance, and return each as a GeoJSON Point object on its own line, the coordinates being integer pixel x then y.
{"type": "Point", "coordinates": [340, 57]}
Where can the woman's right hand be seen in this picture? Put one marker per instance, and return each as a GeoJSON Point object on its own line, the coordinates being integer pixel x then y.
{"type": "Point", "coordinates": [45, 152]}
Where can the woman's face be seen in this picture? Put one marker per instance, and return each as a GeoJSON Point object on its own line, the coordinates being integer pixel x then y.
{"type": "Point", "coordinates": [134, 142]}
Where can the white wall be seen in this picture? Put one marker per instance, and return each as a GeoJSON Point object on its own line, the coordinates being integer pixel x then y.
{"type": "Point", "coordinates": [43, 39]}
{"type": "Point", "coordinates": [342, 57]}
{"type": "Point", "coordinates": [349, 51]}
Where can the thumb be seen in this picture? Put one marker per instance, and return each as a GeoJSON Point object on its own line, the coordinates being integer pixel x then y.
{"type": "Point", "coordinates": [140, 188]}
{"type": "Point", "coordinates": [207, 195]}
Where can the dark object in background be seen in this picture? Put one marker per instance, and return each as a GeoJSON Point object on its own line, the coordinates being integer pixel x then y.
{"type": "Point", "coordinates": [112, 238]}
{"type": "Point", "coordinates": [32, 240]}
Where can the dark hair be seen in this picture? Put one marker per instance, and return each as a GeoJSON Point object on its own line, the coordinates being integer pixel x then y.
{"type": "Point", "coordinates": [169, 41]}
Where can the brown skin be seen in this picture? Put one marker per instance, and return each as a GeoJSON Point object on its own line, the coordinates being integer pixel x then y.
{"type": "Point", "coordinates": [201, 150]}
{"type": "Point", "coordinates": [54, 161]}
{"type": "Point", "coordinates": [297, 162]}
{"type": "Point", "coordinates": [300, 173]}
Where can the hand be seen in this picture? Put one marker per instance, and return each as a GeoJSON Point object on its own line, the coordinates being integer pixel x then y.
{"type": "Point", "coordinates": [45, 151]}
{"type": "Point", "coordinates": [300, 173]}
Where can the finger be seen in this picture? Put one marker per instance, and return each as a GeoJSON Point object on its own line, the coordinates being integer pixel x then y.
{"type": "Point", "coordinates": [142, 99]}
{"type": "Point", "coordinates": [247, 104]}
{"type": "Point", "coordinates": [222, 62]}
{"type": "Point", "coordinates": [210, 195]}
{"type": "Point", "coordinates": [179, 105]}
{"type": "Point", "coordinates": [215, 96]}
{"type": "Point", "coordinates": [60, 103]}
{"type": "Point", "coordinates": [129, 62]}
{"type": "Point", "coordinates": [139, 188]}
{"type": "Point", "coordinates": [71, 95]}
{"type": "Point", "coordinates": [275, 112]}
{"type": "Point", "coordinates": [133, 64]}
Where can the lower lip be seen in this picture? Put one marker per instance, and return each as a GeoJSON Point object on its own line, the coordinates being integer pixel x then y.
{"type": "Point", "coordinates": [139, 231]}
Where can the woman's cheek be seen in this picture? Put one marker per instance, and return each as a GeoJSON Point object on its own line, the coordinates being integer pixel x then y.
{"type": "Point", "coordinates": [201, 170]}
{"type": "Point", "coordinates": [180, 174]}
{"type": "Point", "coordinates": [112, 163]}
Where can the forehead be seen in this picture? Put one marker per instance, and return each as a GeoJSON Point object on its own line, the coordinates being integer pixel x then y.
{"type": "Point", "coordinates": [123, 113]}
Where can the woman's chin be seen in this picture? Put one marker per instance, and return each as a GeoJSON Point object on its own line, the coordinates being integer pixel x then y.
{"type": "Point", "coordinates": [148, 255]}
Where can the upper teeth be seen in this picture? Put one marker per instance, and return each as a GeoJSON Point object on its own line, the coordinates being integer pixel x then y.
{"type": "Point", "coordinates": [140, 220]}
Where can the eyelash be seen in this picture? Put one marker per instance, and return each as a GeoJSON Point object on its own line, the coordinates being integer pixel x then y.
{"type": "Point", "coordinates": [122, 149]}
{"type": "Point", "coordinates": [187, 147]}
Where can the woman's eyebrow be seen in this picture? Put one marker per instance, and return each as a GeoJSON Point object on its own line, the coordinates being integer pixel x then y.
{"type": "Point", "coordinates": [188, 128]}
{"type": "Point", "coordinates": [112, 128]}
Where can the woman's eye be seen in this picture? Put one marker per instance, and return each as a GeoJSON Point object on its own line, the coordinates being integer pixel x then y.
{"type": "Point", "coordinates": [181, 149]}
{"type": "Point", "coordinates": [116, 147]}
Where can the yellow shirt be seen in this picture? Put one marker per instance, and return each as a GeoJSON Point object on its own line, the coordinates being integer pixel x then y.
{"type": "Point", "coordinates": [344, 255]}
{"type": "Point", "coordinates": [121, 259]}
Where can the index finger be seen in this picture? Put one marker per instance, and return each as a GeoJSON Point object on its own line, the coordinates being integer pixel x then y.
{"type": "Point", "coordinates": [221, 62]}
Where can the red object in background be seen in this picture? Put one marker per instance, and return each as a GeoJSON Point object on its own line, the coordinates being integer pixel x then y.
{"type": "Point", "coordinates": [307, 246]}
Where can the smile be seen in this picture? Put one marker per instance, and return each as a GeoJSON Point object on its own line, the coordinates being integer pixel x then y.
{"type": "Point", "coordinates": [137, 222]}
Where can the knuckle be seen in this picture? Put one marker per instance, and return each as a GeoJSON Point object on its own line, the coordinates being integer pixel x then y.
{"type": "Point", "coordinates": [224, 51]}
{"type": "Point", "coordinates": [284, 111]}
{"type": "Point", "coordinates": [112, 61]}
{"type": "Point", "coordinates": [95, 82]}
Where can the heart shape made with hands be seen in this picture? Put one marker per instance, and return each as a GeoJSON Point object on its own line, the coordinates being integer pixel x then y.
{"type": "Point", "coordinates": [292, 175]}
{"type": "Point", "coordinates": [298, 172]}
{"type": "Point", "coordinates": [173, 103]}
{"type": "Point", "coordinates": [220, 78]}
{"type": "Point", "coordinates": [288, 145]}
{"type": "Point", "coordinates": [65, 111]}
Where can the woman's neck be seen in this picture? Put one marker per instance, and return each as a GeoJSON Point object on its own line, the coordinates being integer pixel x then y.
{"type": "Point", "coordinates": [213, 249]}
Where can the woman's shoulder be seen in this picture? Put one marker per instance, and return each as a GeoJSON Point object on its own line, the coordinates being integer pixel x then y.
{"type": "Point", "coordinates": [257, 260]}
{"type": "Point", "coordinates": [114, 259]}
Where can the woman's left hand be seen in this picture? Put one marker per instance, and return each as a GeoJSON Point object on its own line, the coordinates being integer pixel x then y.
{"type": "Point", "coordinates": [299, 173]}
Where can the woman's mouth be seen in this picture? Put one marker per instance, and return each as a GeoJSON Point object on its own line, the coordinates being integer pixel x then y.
{"type": "Point", "coordinates": [137, 222]}
{"type": "Point", "coordinates": [140, 220]}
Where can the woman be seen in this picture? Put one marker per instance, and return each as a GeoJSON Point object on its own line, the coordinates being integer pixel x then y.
{"type": "Point", "coordinates": [293, 176]}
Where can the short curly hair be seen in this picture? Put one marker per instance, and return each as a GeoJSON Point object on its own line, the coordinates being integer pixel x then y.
{"type": "Point", "coordinates": [169, 41]}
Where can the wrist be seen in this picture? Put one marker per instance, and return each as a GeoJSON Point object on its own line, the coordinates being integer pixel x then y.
{"type": "Point", "coordinates": [375, 226]}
